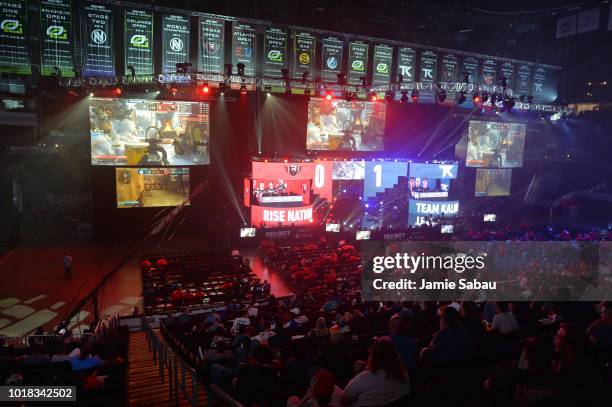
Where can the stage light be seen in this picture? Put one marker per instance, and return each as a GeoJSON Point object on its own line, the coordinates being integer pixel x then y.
{"type": "Point", "coordinates": [373, 97]}
{"type": "Point", "coordinates": [243, 89]}
{"type": "Point", "coordinates": [476, 98]}
{"type": "Point", "coordinates": [415, 96]}
{"type": "Point", "coordinates": [91, 95]}
{"type": "Point", "coordinates": [404, 97]}
{"type": "Point", "coordinates": [173, 89]}
{"type": "Point", "coordinates": [461, 98]}
{"type": "Point", "coordinates": [267, 89]}
{"type": "Point", "coordinates": [328, 95]}
{"type": "Point", "coordinates": [117, 91]}
{"type": "Point", "coordinates": [442, 96]}
{"type": "Point", "coordinates": [204, 89]}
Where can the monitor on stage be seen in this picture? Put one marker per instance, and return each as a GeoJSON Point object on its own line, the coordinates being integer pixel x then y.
{"type": "Point", "coordinates": [492, 182]}
{"type": "Point", "coordinates": [345, 125]}
{"type": "Point", "coordinates": [495, 144]}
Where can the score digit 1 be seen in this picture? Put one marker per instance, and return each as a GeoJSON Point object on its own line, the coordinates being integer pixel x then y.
{"type": "Point", "coordinates": [378, 171]}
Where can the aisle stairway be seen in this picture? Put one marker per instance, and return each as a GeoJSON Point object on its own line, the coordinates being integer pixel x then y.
{"type": "Point", "coordinates": [145, 387]}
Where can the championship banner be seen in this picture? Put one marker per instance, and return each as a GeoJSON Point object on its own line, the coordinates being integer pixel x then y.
{"type": "Point", "coordinates": [507, 71]}
{"type": "Point", "coordinates": [469, 67]}
{"type": "Point", "coordinates": [243, 50]}
{"type": "Point", "coordinates": [331, 63]}
{"type": "Point", "coordinates": [523, 80]}
{"type": "Point", "coordinates": [175, 37]}
{"type": "Point", "coordinates": [212, 34]}
{"type": "Point", "coordinates": [139, 41]}
{"type": "Point", "coordinates": [488, 71]}
{"type": "Point", "coordinates": [275, 52]}
{"type": "Point", "coordinates": [544, 88]}
{"type": "Point", "coordinates": [406, 64]}
{"type": "Point", "coordinates": [97, 40]}
{"type": "Point", "coordinates": [286, 216]}
{"type": "Point", "coordinates": [358, 61]}
{"type": "Point", "coordinates": [450, 63]}
{"type": "Point", "coordinates": [14, 53]}
{"type": "Point", "coordinates": [56, 46]}
{"type": "Point", "coordinates": [383, 57]}
{"type": "Point", "coordinates": [419, 209]}
{"type": "Point", "coordinates": [428, 72]}
{"type": "Point", "coordinates": [304, 46]}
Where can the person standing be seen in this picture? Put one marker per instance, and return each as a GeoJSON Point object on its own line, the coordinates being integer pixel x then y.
{"type": "Point", "coordinates": [67, 266]}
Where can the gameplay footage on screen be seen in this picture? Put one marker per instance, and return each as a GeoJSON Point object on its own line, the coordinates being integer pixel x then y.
{"type": "Point", "coordinates": [495, 144]}
{"type": "Point", "coordinates": [148, 133]}
{"type": "Point", "coordinates": [345, 125]}
{"type": "Point", "coordinates": [152, 187]}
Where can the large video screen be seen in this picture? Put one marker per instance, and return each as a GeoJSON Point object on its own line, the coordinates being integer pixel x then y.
{"type": "Point", "coordinates": [343, 125]}
{"type": "Point", "coordinates": [495, 144]}
{"type": "Point", "coordinates": [493, 182]}
{"type": "Point", "coordinates": [349, 170]}
{"type": "Point", "coordinates": [148, 133]}
{"type": "Point", "coordinates": [430, 181]}
{"type": "Point", "coordinates": [151, 187]}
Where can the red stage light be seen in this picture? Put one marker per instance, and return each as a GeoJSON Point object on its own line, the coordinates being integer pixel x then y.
{"type": "Point", "coordinates": [328, 95]}
{"type": "Point", "coordinates": [374, 98]}
{"type": "Point", "coordinates": [117, 91]}
{"type": "Point", "coordinates": [476, 99]}
{"type": "Point", "coordinates": [204, 89]}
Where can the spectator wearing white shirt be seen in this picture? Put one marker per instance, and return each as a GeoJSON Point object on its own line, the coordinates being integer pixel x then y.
{"type": "Point", "coordinates": [504, 321]}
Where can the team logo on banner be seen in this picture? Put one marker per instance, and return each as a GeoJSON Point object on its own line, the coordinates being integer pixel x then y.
{"type": "Point", "coordinates": [176, 44]}
{"type": "Point", "coordinates": [211, 48]}
{"type": "Point", "coordinates": [332, 62]}
{"type": "Point", "coordinates": [382, 68]}
{"type": "Point", "coordinates": [358, 65]}
{"type": "Point", "coordinates": [57, 32]}
{"type": "Point", "coordinates": [11, 27]}
{"type": "Point", "coordinates": [140, 41]}
{"type": "Point", "coordinates": [98, 36]}
{"type": "Point", "coordinates": [293, 169]}
{"type": "Point", "coordinates": [304, 58]}
{"type": "Point", "coordinates": [275, 55]}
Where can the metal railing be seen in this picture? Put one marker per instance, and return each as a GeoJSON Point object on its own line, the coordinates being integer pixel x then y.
{"type": "Point", "coordinates": [178, 370]}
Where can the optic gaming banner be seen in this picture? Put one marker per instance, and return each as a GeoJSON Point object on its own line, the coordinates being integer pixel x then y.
{"type": "Point", "coordinates": [138, 41]}
{"type": "Point", "coordinates": [244, 47]}
{"type": "Point", "coordinates": [523, 80]}
{"type": "Point", "coordinates": [488, 71]}
{"type": "Point", "coordinates": [469, 67]}
{"type": "Point", "coordinates": [358, 61]}
{"type": "Point", "coordinates": [383, 56]}
{"type": "Point", "coordinates": [507, 70]}
{"type": "Point", "coordinates": [14, 54]}
{"type": "Point", "coordinates": [56, 37]}
{"type": "Point", "coordinates": [175, 37]}
{"type": "Point", "coordinates": [544, 86]}
{"type": "Point", "coordinates": [331, 63]}
{"type": "Point", "coordinates": [97, 40]}
{"type": "Point", "coordinates": [212, 34]}
{"type": "Point", "coordinates": [304, 45]}
{"type": "Point", "coordinates": [428, 71]}
{"type": "Point", "coordinates": [448, 72]}
{"type": "Point", "coordinates": [406, 62]}
{"type": "Point", "coordinates": [419, 209]}
{"type": "Point", "coordinates": [275, 52]}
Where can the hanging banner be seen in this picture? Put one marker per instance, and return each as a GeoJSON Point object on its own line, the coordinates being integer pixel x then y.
{"type": "Point", "coordinates": [383, 57]}
{"type": "Point", "coordinates": [507, 71]}
{"type": "Point", "coordinates": [243, 50]}
{"type": "Point", "coordinates": [304, 46]}
{"type": "Point", "coordinates": [469, 70]}
{"type": "Point", "coordinates": [406, 62]}
{"type": "Point", "coordinates": [331, 63]}
{"type": "Point", "coordinates": [566, 26]}
{"type": "Point", "coordinates": [175, 37]}
{"type": "Point", "coordinates": [428, 72]}
{"type": "Point", "coordinates": [448, 73]}
{"type": "Point", "coordinates": [212, 34]}
{"type": "Point", "coordinates": [488, 71]}
{"type": "Point", "coordinates": [139, 41]}
{"type": "Point", "coordinates": [97, 40]}
{"type": "Point", "coordinates": [56, 46]}
{"type": "Point", "coordinates": [275, 52]}
{"type": "Point", "coordinates": [544, 88]}
{"type": "Point", "coordinates": [523, 80]}
{"type": "Point", "coordinates": [14, 53]}
{"type": "Point", "coordinates": [358, 61]}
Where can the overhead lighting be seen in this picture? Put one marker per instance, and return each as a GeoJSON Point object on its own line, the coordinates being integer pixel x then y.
{"type": "Point", "coordinates": [328, 95]}
{"type": "Point", "coordinates": [373, 97]}
{"type": "Point", "coordinates": [117, 91]}
{"type": "Point", "coordinates": [204, 89]}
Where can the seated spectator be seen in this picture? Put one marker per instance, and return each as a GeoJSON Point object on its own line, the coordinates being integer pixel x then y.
{"type": "Point", "coordinates": [384, 380]}
{"type": "Point", "coordinates": [601, 330]}
{"type": "Point", "coordinates": [526, 383]}
{"type": "Point", "coordinates": [321, 393]}
{"type": "Point", "coordinates": [37, 356]}
{"type": "Point", "coordinates": [450, 344]}
{"type": "Point", "coordinates": [504, 322]}
{"type": "Point", "coordinates": [471, 321]}
{"type": "Point", "coordinates": [257, 382]}
{"type": "Point", "coordinates": [219, 352]}
{"type": "Point", "coordinates": [405, 345]}
{"type": "Point", "coordinates": [85, 360]}
{"type": "Point", "coordinates": [320, 330]}
{"type": "Point", "coordinates": [64, 354]}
